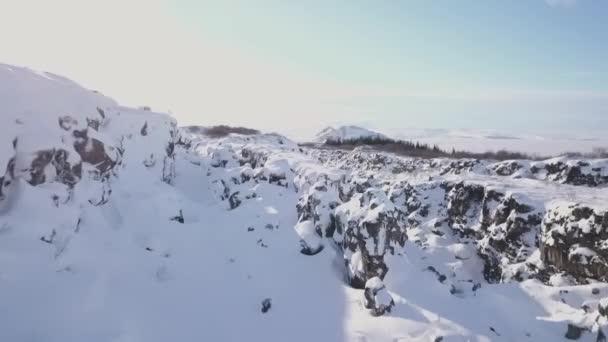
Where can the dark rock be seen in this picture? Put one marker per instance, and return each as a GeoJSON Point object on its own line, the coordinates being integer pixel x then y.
{"type": "Point", "coordinates": [464, 204]}
{"type": "Point", "coordinates": [50, 238]}
{"type": "Point", "coordinates": [573, 174]}
{"type": "Point", "coordinates": [506, 168]}
{"type": "Point", "coordinates": [150, 161]}
{"type": "Point", "coordinates": [93, 151]}
{"type": "Point", "coordinates": [376, 297]}
{"type": "Point", "coordinates": [101, 113]}
{"type": "Point", "coordinates": [266, 305]}
{"type": "Point", "coordinates": [562, 236]}
{"type": "Point", "coordinates": [600, 336]}
{"type": "Point", "coordinates": [261, 243]}
{"type": "Point", "coordinates": [144, 130]}
{"type": "Point", "coordinates": [574, 332]}
{"type": "Point", "coordinates": [307, 250]}
{"type": "Point", "coordinates": [602, 307]}
{"type": "Point", "coordinates": [234, 200]}
{"type": "Point", "coordinates": [93, 124]}
{"type": "Point", "coordinates": [179, 218]}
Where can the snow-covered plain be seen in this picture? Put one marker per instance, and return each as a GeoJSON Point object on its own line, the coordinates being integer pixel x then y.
{"type": "Point", "coordinates": [541, 142]}
{"type": "Point", "coordinates": [117, 226]}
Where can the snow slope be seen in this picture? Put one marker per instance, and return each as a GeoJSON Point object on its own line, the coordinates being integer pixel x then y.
{"type": "Point", "coordinates": [117, 226]}
{"type": "Point", "coordinates": [345, 133]}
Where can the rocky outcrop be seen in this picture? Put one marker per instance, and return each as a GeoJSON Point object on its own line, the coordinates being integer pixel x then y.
{"type": "Point", "coordinates": [575, 240]}
{"type": "Point", "coordinates": [360, 220]}
{"type": "Point", "coordinates": [168, 172]}
{"type": "Point", "coordinates": [373, 228]}
{"type": "Point", "coordinates": [510, 237]}
{"type": "Point", "coordinates": [63, 165]}
{"type": "Point", "coordinates": [464, 206]}
{"type": "Point", "coordinates": [591, 173]}
{"type": "Point", "coordinates": [504, 226]}
{"type": "Point", "coordinates": [376, 297]}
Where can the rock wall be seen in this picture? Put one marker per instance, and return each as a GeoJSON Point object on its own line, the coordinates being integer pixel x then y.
{"type": "Point", "coordinates": [575, 240]}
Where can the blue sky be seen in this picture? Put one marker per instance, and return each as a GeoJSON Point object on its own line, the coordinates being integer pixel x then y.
{"type": "Point", "coordinates": [516, 43]}
{"type": "Point", "coordinates": [272, 64]}
{"type": "Point", "coordinates": [556, 49]}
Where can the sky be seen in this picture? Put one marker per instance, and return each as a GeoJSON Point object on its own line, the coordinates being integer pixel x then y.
{"type": "Point", "coordinates": [298, 66]}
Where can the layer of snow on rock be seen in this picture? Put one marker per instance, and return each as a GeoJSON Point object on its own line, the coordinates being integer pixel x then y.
{"type": "Point", "coordinates": [346, 133]}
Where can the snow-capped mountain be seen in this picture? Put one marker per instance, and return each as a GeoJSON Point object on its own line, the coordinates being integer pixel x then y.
{"type": "Point", "coordinates": [116, 225]}
{"type": "Point", "coordinates": [345, 133]}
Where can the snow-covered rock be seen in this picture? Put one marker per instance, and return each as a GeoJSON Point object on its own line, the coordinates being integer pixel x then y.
{"type": "Point", "coordinates": [345, 133]}
{"type": "Point", "coordinates": [117, 225]}
{"type": "Point", "coordinates": [575, 240]}
{"type": "Point", "coordinates": [575, 172]}
{"type": "Point", "coordinates": [376, 297]}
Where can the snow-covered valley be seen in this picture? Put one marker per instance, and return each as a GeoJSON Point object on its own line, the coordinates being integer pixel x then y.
{"type": "Point", "coordinates": [117, 225]}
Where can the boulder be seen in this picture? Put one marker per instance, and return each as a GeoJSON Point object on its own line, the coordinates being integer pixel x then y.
{"type": "Point", "coordinates": [376, 297]}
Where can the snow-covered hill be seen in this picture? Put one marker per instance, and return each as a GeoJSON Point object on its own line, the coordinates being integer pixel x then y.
{"type": "Point", "coordinates": [115, 225]}
{"type": "Point", "coordinates": [345, 133]}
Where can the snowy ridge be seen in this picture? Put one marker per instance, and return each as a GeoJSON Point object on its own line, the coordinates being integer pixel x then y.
{"type": "Point", "coordinates": [345, 133]}
{"type": "Point", "coordinates": [115, 225]}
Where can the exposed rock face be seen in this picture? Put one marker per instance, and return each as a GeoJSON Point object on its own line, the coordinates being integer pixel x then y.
{"type": "Point", "coordinates": [373, 228]}
{"type": "Point", "coordinates": [266, 305]}
{"type": "Point", "coordinates": [575, 173]}
{"type": "Point", "coordinates": [95, 152]}
{"type": "Point", "coordinates": [370, 217]}
{"type": "Point", "coordinates": [45, 166]}
{"type": "Point", "coordinates": [358, 218]}
{"type": "Point", "coordinates": [574, 240]}
{"type": "Point", "coordinates": [505, 225]}
{"type": "Point", "coordinates": [602, 307]}
{"type": "Point", "coordinates": [574, 332]}
{"type": "Point", "coordinates": [463, 206]}
{"type": "Point", "coordinates": [63, 165]}
{"type": "Point", "coordinates": [590, 173]}
{"type": "Point", "coordinates": [87, 149]}
{"type": "Point", "coordinates": [74, 144]}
